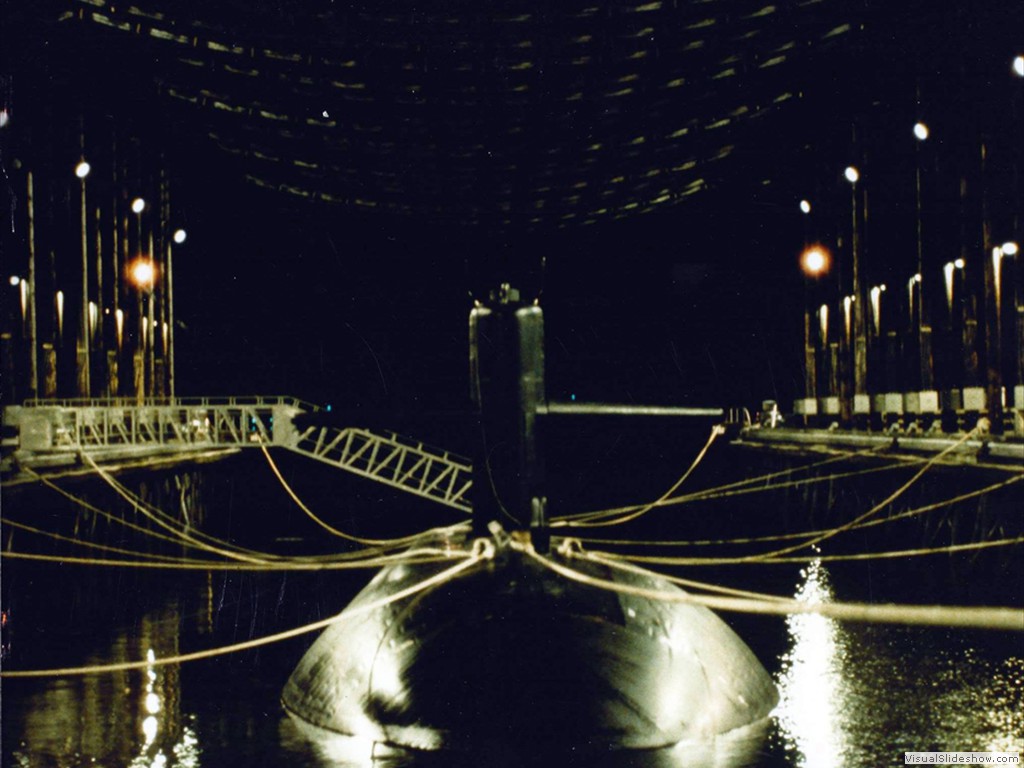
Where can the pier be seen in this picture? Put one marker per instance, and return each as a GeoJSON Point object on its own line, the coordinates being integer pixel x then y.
{"type": "Point", "coordinates": [60, 434]}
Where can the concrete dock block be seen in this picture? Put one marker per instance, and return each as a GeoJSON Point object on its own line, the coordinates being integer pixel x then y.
{"type": "Point", "coordinates": [974, 399]}
{"type": "Point", "coordinates": [893, 403]}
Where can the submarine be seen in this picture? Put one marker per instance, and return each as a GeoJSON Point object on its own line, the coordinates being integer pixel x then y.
{"type": "Point", "coordinates": [510, 654]}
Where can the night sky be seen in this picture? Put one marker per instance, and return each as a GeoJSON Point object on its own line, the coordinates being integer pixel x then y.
{"type": "Point", "coordinates": [699, 301]}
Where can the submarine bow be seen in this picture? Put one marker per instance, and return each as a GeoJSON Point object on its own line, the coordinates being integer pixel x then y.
{"type": "Point", "coordinates": [511, 653]}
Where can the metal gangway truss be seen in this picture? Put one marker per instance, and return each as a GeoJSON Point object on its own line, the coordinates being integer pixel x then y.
{"type": "Point", "coordinates": [392, 459]}
{"type": "Point", "coordinates": [45, 433]}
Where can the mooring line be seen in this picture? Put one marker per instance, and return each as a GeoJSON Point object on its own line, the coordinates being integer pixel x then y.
{"type": "Point", "coordinates": [875, 509]}
{"type": "Point", "coordinates": [223, 548]}
{"type": "Point", "coordinates": [90, 544]}
{"type": "Point", "coordinates": [884, 555]}
{"type": "Point", "coordinates": [156, 516]}
{"type": "Point", "coordinates": [712, 493]}
{"type": "Point", "coordinates": [699, 495]}
{"type": "Point", "coordinates": [190, 543]}
{"type": "Point", "coordinates": [912, 615]}
{"type": "Point", "coordinates": [400, 541]}
{"type": "Point", "coordinates": [431, 553]}
{"type": "Point", "coordinates": [597, 557]}
{"type": "Point", "coordinates": [595, 521]}
{"type": "Point", "coordinates": [802, 534]}
{"type": "Point", "coordinates": [476, 555]}
{"type": "Point", "coordinates": [109, 516]}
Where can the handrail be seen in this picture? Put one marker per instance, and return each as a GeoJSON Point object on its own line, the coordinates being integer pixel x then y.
{"type": "Point", "coordinates": [151, 402]}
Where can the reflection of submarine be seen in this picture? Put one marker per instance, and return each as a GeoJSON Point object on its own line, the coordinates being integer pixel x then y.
{"type": "Point", "coordinates": [509, 654]}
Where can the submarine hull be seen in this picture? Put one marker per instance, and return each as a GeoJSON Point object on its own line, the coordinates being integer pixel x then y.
{"type": "Point", "coordinates": [511, 653]}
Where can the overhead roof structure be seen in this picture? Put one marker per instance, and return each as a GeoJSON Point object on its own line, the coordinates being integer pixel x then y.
{"type": "Point", "coordinates": [516, 113]}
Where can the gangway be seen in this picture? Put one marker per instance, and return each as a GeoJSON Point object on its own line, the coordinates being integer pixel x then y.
{"type": "Point", "coordinates": [394, 460]}
{"type": "Point", "coordinates": [48, 433]}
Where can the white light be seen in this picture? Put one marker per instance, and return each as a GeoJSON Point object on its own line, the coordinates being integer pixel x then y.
{"type": "Point", "coordinates": [916, 278]}
{"type": "Point", "coordinates": [805, 206]}
{"type": "Point", "coordinates": [180, 235]}
{"type": "Point", "coordinates": [5, 118]}
{"type": "Point", "coordinates": [14, 280]}
{"type": "Point", "coordinates": [814, 261]}
{"type": "Point", "coordinates": [959, 263]}
{"type": "Point", "coordinates": [149, 729]}
{"type": "Point", "coordinates": [82, 169]}
{"type": "Point", "coordinates": [1010, 248]}
{"type": "Point", "coordinates": [138, 205]}
{"type": "Point", "coordinates": [815, 691]}
{"type": "Point", "coordinates": [1018, 66]}
{"type": "Point", "coordinates": [142, 273]}
{"type": "Point", "coordinates": [325, 113]}
{"type": "Point", "coordinates": [852, 174]}
{"type": "Point", "coordinates": [921, 131]}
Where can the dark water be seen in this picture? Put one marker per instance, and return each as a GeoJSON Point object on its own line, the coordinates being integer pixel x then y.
{"type": "Point", "coordinates": [851, 694]}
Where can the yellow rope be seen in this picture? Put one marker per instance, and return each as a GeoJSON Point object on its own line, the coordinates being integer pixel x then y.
{"type": "Point", "coordinates": [875, 509]}
{"type": "Point", "coordinates": [334, 531]}
{"type": "Point", "coordinates": [156, 516]}
{"type": "Point", "coordinates": [802, 534]}
{"type": "Point", "coordinates": [594, 521]}
{"type": "Point", "coordinates": [598, 557]}
{"type": "Point", "coordinates": [214, 565]}
{"type": "Point", "coordinates": [918, 615]}
{"type": "Point", "coordinates": [90, 544]}
{"type": "Point", "coordinates": [948, 549]}
{"type": "Point", "coordinates": [107, 515]}
{"type": "Point", "coordinates": [474, 557]}
{"type": "Point", "coordinates": [734, 489]}
{"type": "Point", "coordinates": [178, 541]}
{"type": "Point", "coordinates": [846, 455]}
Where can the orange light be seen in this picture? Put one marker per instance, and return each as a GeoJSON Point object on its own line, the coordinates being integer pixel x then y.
{"type": "Point", "coordinates": [142, 273]}
{"type": "Point", "coordinates": [815, 260]}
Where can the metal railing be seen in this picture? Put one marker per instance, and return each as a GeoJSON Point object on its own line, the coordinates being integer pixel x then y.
{"type": "Point", "coordinates": [124, 427]}
{"type": "Point", "coordinates": [394, 460]}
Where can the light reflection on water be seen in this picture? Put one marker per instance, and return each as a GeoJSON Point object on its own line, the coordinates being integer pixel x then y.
{"type": "Point", "coordinates": [812, 714]}
{"type": "Point", "coordinates": [852, 695]}
{"type": "Point", "coordinates": [862, 695]}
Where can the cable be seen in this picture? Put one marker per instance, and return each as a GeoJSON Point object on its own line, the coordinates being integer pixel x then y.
{"type": "Point", "coordinates": [593, 522]}
{"type": "Point", "coordinates": [341, 534]}
{"type": "Point", "coordinates": [705, 585]}
{"type": "Point", "coordinates": [476, 555]}
{"type": "Point", "coordinates": [738, 483]}
{"type": "Point", "coordinates": [948, 549]}
{"type": "Point", "coordinates": [803, 534]}
{"type": "Point", "coordinates": [375, 561]}
{"type": "Point", "coordinates": [156, 516]}
{"type": "Point", "coordinates": [875, 509]}
{"type": "Point", "coordinates": [178, 541]}
{"type": "Point", "coordinates": [90, 544]}
{"type": "Point", "coordinates": [916, 615]}
{"type": "Point", "coordinates": [736, 489]}
{"type": "Point", "coordinates": [107, 515]}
